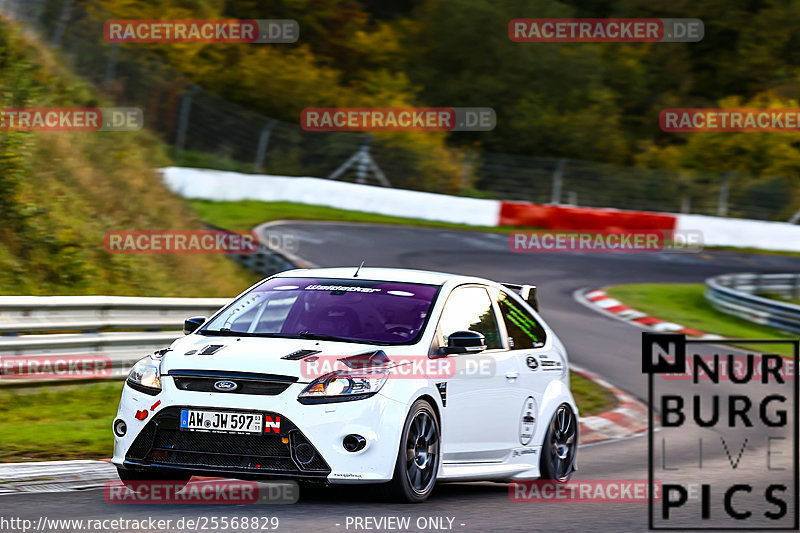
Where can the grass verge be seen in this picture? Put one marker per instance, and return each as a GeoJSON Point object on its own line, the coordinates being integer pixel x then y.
{"type": "Point", "coordinates": [590, 397]}
{"type": "Point", "coordinates": [73, 421]}
{"type": "Point", "coordinates": [686, 304]}
{"type": "Point", "coordinates": [246, 214]}
{"type": "Point", "coordinates": [52, 422]}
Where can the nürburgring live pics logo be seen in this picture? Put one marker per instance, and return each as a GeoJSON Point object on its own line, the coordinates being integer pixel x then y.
{"type": "Point", "coordinates": [725, 448]}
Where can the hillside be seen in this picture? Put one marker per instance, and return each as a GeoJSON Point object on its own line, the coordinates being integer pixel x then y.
{"type": "Point", "coordinates": [60, 192]}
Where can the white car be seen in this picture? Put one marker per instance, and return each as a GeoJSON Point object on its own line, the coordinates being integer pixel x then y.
{"type": "Point", "coordinates": [376, 376]}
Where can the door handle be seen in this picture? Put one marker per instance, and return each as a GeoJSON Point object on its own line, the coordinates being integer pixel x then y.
{"type": "Point", "coordinates": [512, 375]}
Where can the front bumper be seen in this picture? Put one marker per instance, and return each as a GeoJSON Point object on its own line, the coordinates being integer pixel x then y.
{"type": "Point", "coordinates": [161, 443]}
{"type": "Point", "coordinates": [308, 446]}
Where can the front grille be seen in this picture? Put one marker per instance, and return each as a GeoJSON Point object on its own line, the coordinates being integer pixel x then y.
{"type": "Point", "coordinates": [247, 383]}
{"type": "Point", "coordinates": [161, 442]}
{"type": "Point", "coordinates": [200, 442]}
{"type": "Point", "coordinates": [231, 462]}
{"type": "Point", "coordinates": [263, 388]}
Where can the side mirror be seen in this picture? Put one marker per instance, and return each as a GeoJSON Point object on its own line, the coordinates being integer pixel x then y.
{"type": "Point", "coordinates": [464, 342]}
{"type": "Point", "coordinates": [190, 325]}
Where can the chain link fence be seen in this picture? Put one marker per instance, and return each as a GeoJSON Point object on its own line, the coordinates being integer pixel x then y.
{"type": "Point", "coordinates": [205, 130]}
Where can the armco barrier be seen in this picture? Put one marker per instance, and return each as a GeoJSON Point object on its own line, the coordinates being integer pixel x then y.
{"type": "Point", "coordinates": [265, 261]}
{"type": "Point", "coordinates": [581, 218]}
{"type": "Point", "coordinates": [73, 325]}
{"type": "Point", "coordinates": [234, 186]}
{"type": "Point", "coordinates": [742, 233]}
{"type": "Point", "coordinates": [735, 294]}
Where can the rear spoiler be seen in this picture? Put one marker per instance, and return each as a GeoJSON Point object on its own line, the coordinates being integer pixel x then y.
{"type": "Point", "coordinates": [528, 293]}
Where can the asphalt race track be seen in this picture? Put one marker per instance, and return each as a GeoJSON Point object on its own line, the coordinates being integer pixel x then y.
{"type": "Point", "coordinates": [605, 346]}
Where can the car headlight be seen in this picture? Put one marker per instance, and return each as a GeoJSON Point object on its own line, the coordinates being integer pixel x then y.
{"type": "Point", "coordinates": [343, 387]}
{"type": "Point", "coordinates": [145, 376]}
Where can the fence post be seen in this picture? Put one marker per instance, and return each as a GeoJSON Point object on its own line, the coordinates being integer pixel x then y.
{"type": "Point", "coordinates": [572, 198]}
{"type": "Point", "coordinates": [466, 171]}
{"type": "Point", "coordinates": [795, 218]}
{"type": "Point", "coordinates": [58, 34]}
{"type": "Point", "coordinates": [183, 117]}
{"type": "Point", "coordinates": [263, 143]}
{"type": "Point", "coordinates": [686, 204]}
{"type": "Point", "coordinates": [558, 176]}
{"type": "Point", "coordinates": [111, 64]}
{"type": "Point", "coordinates": [724, 186]}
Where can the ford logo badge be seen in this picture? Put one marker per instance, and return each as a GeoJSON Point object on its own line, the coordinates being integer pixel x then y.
{"type": "Point", "coordinates": [225, 386]}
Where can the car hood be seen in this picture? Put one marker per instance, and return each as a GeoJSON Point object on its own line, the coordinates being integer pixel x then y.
{"type": "Point", "coordinates": [257, 355]}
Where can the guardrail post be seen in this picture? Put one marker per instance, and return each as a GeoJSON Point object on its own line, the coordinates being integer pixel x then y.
{"type": "Point", "coordinates": [797, 287]}
{"type": "Point", "coordinates": [558, 178]}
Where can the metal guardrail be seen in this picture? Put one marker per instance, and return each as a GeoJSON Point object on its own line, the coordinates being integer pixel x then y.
{"type": "Point", "coordinates": [56, 327]}
{"type": "Point", "coordinates": [739, 294]}
{"type": "Point", "coordinates": [265, 261]}
{"type": "Point", "coordinates": [39, 332]}
{"type": "Point", "coordinates": [59, 330]}
{"type": "Point", "coordinates": [20, 315]}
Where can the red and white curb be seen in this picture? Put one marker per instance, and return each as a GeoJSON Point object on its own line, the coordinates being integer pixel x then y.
{"type": "Point", "coordinates": [60, 476]}
{"type": "Point", "coordinates": [627, 419]}
{"type": "Point", "coordinates": [603, 303]}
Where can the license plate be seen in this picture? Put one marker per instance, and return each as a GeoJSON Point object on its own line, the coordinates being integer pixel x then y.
{"type": "Point", "coordinates": [223, 421]}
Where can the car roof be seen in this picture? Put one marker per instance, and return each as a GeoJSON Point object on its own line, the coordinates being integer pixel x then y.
{"type": "Point", "coordinates": [380, 274]}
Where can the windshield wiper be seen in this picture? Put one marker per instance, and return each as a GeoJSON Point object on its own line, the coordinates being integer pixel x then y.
{"type": "Point", "coordinates": [225, 332]}
{"type": "Point", "coordinates": [323, 337]}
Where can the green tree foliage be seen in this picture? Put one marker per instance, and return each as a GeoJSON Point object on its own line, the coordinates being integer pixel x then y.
{"type": "Point", "coordinates": [591, 101]}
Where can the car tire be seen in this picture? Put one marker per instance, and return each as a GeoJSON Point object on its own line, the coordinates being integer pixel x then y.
{"type": "Point", "coordinates": [560, 446]}
{"type": "Point", "coordinates": [418, 457]}
{"type": "Point", "coordinates": [134, 478]}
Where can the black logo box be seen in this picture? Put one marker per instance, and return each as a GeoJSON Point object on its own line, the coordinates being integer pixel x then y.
{"type": "Point", "coordinates": [678, 366]}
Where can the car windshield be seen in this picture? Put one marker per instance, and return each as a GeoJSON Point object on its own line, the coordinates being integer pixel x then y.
{"type": "Point", "coordinates": [353, 310]}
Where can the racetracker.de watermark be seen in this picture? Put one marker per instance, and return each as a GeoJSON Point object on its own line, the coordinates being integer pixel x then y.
{"type": "Point", "coordinates": [71, 119]}
{"type": "Point", "coordinates": [398, 119]}
{"type": "Point", "coordinates": [54, 366]}
{"type": "Point", "coordinates": [399, 366]}
{"type": "Point", "coordinates": [262, 31]}
{"type": "Point", "coordinates": [179, 242]}
{"type": "Point", "coordinates": [729, 120]}
{"type": "Point", "coordinates": [605, 30]}
{"type": "Point", "coordinates": [593, 241]}
{"type": "Point", "coordinates": [736, 368]}
{"type": "Point", "coordinates": [212, 491]}
{"type": "Point", "coordinates": [581, 491]}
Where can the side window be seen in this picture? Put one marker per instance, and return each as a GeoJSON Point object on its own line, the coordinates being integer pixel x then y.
{"type": "Point", "coordinates": [469, 308]}
{"type": "Point", "coordinates": [523, 330]}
